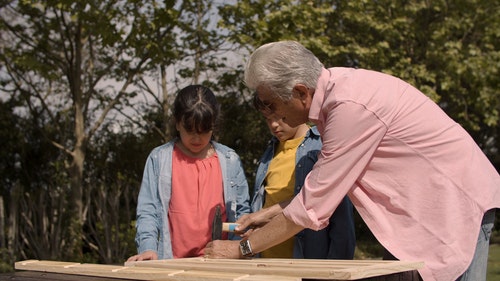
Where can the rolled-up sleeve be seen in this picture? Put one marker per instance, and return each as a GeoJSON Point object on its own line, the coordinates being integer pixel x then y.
{"type": "Point", "coordinates": [351, 135]}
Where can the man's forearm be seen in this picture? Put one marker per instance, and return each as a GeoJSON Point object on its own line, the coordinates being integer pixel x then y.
{"type": "Point", "coordinates": [279, 229]}
{"type": "Point", "coordinates": [276, 209]}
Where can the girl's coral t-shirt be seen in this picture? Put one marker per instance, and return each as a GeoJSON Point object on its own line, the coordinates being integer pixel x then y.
{"type": "Point", "coordinates": [197, 188]}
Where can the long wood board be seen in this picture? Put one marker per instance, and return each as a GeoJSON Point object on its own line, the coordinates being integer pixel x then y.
{"type": "Point", "coordinates": [229, 269]}
{"type": "Point", "coordinates": [140, 273]}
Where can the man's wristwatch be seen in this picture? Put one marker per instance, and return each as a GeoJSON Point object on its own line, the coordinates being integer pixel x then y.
{"type": "Point", "coordinates": [246, 248]}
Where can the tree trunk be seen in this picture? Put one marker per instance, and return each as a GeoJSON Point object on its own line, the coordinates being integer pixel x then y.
{"type": "Point", "coordinates": [165, 103]}
{"type": "Point", "coordinates": [2, 224]}
{"type": "Point", "coordinates": [76, 204]}
{"type": "Point", "coordinates": [12, 229]}
{"type": "Point", "coordinates": [78, 153]}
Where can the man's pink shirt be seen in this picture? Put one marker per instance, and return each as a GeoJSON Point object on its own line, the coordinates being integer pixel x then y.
{"type": "Point", "coordinates": [416, 177]}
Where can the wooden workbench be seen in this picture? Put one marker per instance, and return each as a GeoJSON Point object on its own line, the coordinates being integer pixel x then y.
{"type": "Point", "coordinates": [220, 270]}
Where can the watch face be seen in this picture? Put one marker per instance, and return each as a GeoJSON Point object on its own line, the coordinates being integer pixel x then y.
{"type": "Point", "coordinates": [245, 248]}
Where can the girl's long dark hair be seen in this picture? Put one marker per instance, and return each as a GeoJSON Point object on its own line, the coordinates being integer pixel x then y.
{"type": "Point", "coordinates": [197, 109]}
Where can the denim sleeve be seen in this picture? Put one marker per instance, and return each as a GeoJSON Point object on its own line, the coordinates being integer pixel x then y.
{"type": "Point", "coordinates": [240, 198]}
{"type": "Point", "coordinates": [148, 209]}
{"type": "Point", "coordinates": [242, 192]}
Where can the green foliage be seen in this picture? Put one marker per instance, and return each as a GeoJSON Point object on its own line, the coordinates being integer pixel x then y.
{"type": "Point", "coordinates": [252, 23]}
{"type": "Point", "coordinates": [493, 262]}
{"type": "Point", "coordinates": [6, 262]}
{"type": "Point", "coordinates": [449, 50]}
{"type": "Point", "coordinates": [10, 137]}
{"type": "Point", "coordinates": [114, 172]}
{"type": "Point", "coordinates": [200, 42]}
{"type": "Point", "coordinates": [245, 131]}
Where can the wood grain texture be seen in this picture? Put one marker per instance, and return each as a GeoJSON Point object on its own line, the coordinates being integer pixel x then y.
{"type": "Point", "coordinates": [229, 269]}
{"type": "Point", "coordinates": [303, 268]}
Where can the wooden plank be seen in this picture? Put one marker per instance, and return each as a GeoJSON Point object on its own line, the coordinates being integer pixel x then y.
{"type": "Point", "coordinates": [141, 273]}
{"type": "Point", "coordinates": [100, 270]}
{"type": "Point", "coordinates": [39, 275]}
{"type": "Point", "coordinates": [374, 270]}
{"type": "Point", "coordinates": [262, 262]}
{"type": "Point", "coordinates": [309, 269]}
{"type": "Point", "coordinates": [269, 277]}
{"type": "Point", "coordinates": [197, 275]}
{"type": "Point", "coordinates": [229, 269]}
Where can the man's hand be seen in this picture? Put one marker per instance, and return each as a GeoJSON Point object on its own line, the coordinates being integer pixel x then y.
{"type": "Point", "coordinates": [223, 249]}
{"type": "Point", "coordinates": [258, 219]}
{"type": "Point", "coordinates": [146, 255]}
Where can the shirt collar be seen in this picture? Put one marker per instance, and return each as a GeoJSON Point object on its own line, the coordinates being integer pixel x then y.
{"type": "Point", "coordinates": [323, 86]}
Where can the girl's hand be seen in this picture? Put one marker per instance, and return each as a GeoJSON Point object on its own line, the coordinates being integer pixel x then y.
{"type": "Point", "coordinates": [146, 255]}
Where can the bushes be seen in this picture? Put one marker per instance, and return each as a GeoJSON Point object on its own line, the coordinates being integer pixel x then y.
{"type": "Point", "coordinates": [6, 262]}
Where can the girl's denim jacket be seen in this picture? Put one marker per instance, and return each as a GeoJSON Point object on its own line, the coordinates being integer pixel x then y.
{"type": "Point", "coordinates": [152, 224]}
{"type": "Point", "coordinates": [337, 240]}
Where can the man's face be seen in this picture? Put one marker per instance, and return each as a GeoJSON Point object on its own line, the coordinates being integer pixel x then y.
{"type": "Point", "coordinates": [293, 112]}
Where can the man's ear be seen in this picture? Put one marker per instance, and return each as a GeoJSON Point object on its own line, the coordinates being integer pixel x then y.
{"type": "Point", "coordinates": [302, 92]}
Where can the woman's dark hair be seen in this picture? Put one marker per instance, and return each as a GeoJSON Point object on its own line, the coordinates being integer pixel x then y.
{"type": "Point", "coordinates": [197, 109]}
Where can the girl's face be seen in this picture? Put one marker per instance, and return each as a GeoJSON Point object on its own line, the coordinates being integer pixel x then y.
{"type": "Point", "coordinates": [193, 141]}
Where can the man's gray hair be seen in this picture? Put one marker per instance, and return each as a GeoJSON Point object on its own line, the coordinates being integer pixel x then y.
{"type": "Point", "coordinates": [279, 66]}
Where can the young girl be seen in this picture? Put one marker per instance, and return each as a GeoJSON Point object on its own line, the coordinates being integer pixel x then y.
{"type": "Point", "coordinates": [185, 180]}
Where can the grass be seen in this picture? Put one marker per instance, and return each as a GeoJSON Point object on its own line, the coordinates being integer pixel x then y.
{"type": "Point", "coordinates": [494, 262]}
